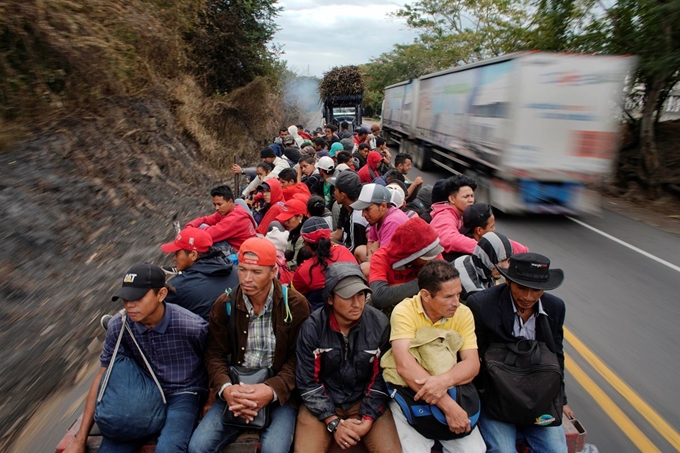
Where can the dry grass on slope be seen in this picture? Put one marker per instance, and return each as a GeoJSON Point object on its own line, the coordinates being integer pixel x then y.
{"type": "Point", "coordinates": [60, 59]}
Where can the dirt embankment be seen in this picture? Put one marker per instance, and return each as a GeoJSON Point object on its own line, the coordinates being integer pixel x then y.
{"type": "Point", "coordinates": [79, 204]}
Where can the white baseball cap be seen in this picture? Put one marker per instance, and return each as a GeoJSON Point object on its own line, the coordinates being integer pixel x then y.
{"type": "Point", "coordinates": [326, 163]}
{"type": "Point", "coordinates": [398, 195]}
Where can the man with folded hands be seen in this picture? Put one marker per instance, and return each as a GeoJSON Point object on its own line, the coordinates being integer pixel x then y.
{"type": "Point", "coordinates": [262, 334]}
{"type": "Point", "coordinates": [338, 374]}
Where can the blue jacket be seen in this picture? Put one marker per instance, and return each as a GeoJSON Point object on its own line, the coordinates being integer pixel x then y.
{"type": "Point", "coordinates": [197, 287]}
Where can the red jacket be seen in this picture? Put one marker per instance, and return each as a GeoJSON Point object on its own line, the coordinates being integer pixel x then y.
{"type": "Point", "coordinates": [235, 227]}
{"type": "Point", "coordinates": [369, 172]}
{"type": "Point", "coordinates": [276, 205]}
{"type": "Point", "coordinates": [305, 282]}
{"type": "Point", "coordinates": [301, 188]}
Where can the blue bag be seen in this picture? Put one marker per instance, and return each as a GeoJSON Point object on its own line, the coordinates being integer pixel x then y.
{"type": "Point", "coordinates": [428, 419]}
{"type": "Point", "coordinates": [130, 404]}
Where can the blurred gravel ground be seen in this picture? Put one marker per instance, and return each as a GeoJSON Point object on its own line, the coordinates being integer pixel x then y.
{"type": "Point", "coordinates": [78, 206]}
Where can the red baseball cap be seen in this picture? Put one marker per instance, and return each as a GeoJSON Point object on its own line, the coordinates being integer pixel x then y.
{"type": "Point", "coordinates": [258, 251]}
{"type": "Point", "coordinates": [291, 209]}
{"type": "Point", "coordinates": [189, 239]}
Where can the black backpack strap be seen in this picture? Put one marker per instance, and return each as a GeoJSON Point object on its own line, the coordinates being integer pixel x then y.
{"type": "Point", "coordinates": [547, 333]}
{"type": "Point", "coordinates": [231, 306]}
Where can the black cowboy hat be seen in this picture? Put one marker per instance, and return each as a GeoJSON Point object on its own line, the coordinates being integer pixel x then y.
{"type": "Point", "coordinates": [533, 271]}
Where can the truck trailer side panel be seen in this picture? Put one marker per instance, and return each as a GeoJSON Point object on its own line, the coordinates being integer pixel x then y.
{"type": "Point", "coordinates": [565, 123]}
{"type": "Point", "coordinates": [532, 127]}
{"type": "Point", "coordinates": [398, 107]}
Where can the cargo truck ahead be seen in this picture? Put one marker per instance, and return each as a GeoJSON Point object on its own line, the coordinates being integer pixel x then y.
{"type": "Point", "coordinates": [532, 128]}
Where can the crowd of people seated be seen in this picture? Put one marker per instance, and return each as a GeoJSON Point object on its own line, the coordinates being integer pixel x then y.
{"type": "Point", "coordinates": [334, 300]}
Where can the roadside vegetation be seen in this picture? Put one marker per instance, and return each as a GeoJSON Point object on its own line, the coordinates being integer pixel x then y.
{"type": "Point", "coordinates": [453, 33]}
{"type": "Point", "coordinates": [116, 117]}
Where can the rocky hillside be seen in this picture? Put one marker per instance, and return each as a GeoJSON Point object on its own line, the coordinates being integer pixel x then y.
{"type": "Point", "coordinates": [107, 134]}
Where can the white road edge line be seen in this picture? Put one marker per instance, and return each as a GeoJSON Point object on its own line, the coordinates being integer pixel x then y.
{"type": "Point", "coordinates": [625, 244]}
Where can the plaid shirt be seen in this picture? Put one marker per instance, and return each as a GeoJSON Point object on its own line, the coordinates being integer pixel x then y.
{"type": "Point", "coordinates": [261, 339]}
{"type": "Point", "coordinates": [174, 348]}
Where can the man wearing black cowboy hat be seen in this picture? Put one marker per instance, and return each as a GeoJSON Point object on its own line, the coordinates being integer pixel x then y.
{"type": "Point", "coordinates": [511, 312]}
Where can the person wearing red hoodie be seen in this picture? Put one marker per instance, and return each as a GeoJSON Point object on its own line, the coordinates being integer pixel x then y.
{"type": "Point", "coordinates": [288, 179]}
{"type": "Point", "coordinates": [230, 225]}
{"type": "Point", "coordinates": [273, 196]}
{"type": "Point", "coordinates": [450, 198]}
{"type": "Point", "coordinates": [370, 171]}
{"type": "Point", "coordinates": [393, 274]}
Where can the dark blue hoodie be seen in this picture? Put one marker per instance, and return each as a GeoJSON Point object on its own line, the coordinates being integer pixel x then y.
{"type": "Point", "coordinates": [197, 287]}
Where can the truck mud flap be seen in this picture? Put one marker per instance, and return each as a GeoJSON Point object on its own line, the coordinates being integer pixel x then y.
{"type": "Point", "coordinates": [548, 194]}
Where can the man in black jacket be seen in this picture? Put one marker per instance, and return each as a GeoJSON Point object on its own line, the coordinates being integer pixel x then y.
{"type": "Point", "coordinates": [204, 272]}
{"type": "Point", "coordinates": [511, 312]}
{"type": "Point", "coordinates": [338, 372]}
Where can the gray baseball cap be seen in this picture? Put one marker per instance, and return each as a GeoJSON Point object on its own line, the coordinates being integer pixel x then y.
{"type": "Point", "coordinates": [345, 279]}
{"type": "Point", "coordinates": [372, 194]}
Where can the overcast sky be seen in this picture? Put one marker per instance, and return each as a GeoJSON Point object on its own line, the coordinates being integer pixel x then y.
{"type": "Point", "coordinates": [319, 34]}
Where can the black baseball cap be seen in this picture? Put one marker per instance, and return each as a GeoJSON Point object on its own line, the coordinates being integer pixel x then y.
{"type": "Point", "coordinates": [475, 215]}
{"type": "Point", "coordinates": [347, 182]}
{"type": "Point", "coordinates": [139, 280]}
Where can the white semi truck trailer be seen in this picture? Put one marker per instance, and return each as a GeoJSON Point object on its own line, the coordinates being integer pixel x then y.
{"type": "Point", "coordinates": [534, 129]}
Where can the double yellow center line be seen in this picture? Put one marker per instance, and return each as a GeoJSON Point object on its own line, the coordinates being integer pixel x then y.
{"type": "Point", "coordinates": [615, 413]}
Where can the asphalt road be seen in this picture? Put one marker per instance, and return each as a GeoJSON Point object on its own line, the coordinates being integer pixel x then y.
{"type": "Point", "coordinates": [623, 306]}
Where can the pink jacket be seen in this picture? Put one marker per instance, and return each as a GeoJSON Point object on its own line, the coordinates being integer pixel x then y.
{"type": "Point", "coordinates": [446, 222]}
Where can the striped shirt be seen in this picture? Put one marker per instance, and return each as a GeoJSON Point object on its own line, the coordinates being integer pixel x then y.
{"type": "Point", "coordinates": [471, 277]}
{"type": "Point", "coordinates": [174, 348]}
{"type": "Point", "coordinates": [261, 338]}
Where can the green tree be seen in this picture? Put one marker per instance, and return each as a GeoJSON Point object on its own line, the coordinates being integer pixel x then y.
{"type": "Point", "coordinates": [230, 44]}
{"type": "Point", "coordinates": [404, 62]}
{"type": "Point", "coordinates": [465, 31]}
{"type": "Point", "coordinates": [649, 29]}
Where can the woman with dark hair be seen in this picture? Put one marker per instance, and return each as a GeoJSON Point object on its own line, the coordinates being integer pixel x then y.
{"type": "Point", "coordinates": [267, 203]}
{"type": "Point", "coordinates": [316, 206]}
{"type": "Point", "coordinates": [310, 276]}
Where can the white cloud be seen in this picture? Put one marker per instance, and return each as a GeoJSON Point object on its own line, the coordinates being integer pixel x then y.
{"type": "Point", "coordinates": [317, 35]}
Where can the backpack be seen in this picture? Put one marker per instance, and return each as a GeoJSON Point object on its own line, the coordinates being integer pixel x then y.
{"type": "Point", "coordinates": [523, 382]}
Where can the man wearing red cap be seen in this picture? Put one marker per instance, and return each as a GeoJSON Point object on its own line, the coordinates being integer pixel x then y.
{"type": "Point", "coordinates": [204, 272]}
{"type": "Point", "coordinates": [262, 333]}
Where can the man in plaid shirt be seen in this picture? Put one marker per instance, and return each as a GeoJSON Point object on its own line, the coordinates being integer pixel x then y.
{"type": "Point", "coordinates": [172, 339]}
{"type": "Point", "coordinates": [263, 333]}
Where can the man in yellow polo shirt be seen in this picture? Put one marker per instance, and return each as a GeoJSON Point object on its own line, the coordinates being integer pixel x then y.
{"type": "Point", "coordinates": [436, 305]}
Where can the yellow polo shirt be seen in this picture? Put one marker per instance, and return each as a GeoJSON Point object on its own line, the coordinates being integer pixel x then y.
{"type": "Point", "coordinates": [409, 316]}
